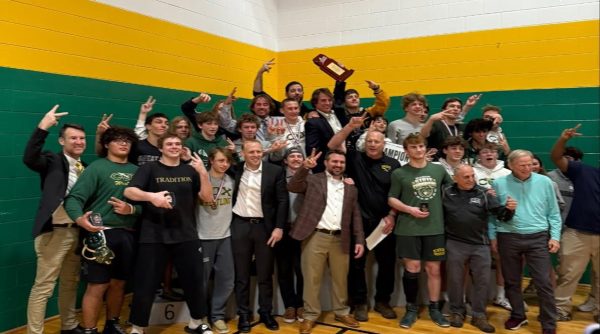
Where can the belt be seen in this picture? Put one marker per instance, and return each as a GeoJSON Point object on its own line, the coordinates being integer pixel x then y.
{"type": "Point", "coordinates": [330, 232]}
{"type": "Point", "coordinates": [67, 225]}
{"type": "Point", "coordinates": [251, 220]}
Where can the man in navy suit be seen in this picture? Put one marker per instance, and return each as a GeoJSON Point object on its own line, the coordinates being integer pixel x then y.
{"type": "Point", "coordinates": [260, 210]}
{"type": "Point", "coordinates": [55, 234]}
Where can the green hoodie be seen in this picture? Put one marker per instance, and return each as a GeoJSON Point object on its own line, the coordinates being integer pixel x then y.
{"type": "Point", "coordinates": [202, 146]}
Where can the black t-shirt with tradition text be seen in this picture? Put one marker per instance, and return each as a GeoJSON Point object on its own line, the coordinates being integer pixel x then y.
{"type": "Point", "coordinates": [168, 225]}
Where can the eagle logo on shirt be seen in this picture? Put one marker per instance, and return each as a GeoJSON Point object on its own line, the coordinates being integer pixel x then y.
{"type": "Point", "coordinates": [424, 187]}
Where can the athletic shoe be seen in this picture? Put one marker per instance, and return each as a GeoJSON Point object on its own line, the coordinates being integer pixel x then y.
{"type": "Point", "coordinates": [589, 305]}
{"type": "Point", "coordinates": [437, 317]}
{"type": "Point", "coordinates": [562, 316]}
{"type": "Point", "coordinates": [300, 314]}
{"type": "Point", "coordinates": [220, 326]}
{"type": "Point", "coordinates": [113, 327]}
{"type": "Point", "coordinates": [411, 315]}
{"type": "Point", "coordinates": [514, 323]}
{"type": "Point", "coordinates": [530, 289]}
{"type": "Point", "coordinates": [202, 329]}
{"type": "Point", "coordinates": [502, 302]}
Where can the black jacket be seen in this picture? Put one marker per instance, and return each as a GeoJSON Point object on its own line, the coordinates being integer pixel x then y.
{"type": "Point", "coordinates": [466, 214]}
{"type": "Point", "coordinates": [54, 176]}
{"type": "Point", "coordinates": [273, 192]}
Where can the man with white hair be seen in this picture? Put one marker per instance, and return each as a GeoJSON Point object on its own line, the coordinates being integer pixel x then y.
{"type": "Point", "coordinates": [533, 233]}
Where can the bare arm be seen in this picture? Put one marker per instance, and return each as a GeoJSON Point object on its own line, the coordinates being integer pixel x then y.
{"type": "Point", "coordinates": [258, 81]}
{"type": "Point", "coordinates": [558, 150]}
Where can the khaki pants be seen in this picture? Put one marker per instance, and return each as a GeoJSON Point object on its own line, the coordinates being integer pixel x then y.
{"type": "Point", "coordinates": [318, 250]}
{"type": "Point", "coordinates": [56, 258]}
{"type": "Point", "coordinates": [576, 250]}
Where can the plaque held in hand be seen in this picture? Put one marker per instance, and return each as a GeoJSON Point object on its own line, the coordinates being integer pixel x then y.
{"type": "Point", "coordinates": [332, 68]}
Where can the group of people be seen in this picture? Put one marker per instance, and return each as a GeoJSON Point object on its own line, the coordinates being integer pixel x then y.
{"type": "Point", "coordinates": [221, 198]}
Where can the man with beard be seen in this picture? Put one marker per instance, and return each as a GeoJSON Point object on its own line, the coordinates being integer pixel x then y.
{"type": "Point", "coordinates": [293, 90]}
{"type": "Point", "coordinates": [371, 171]}
{"type": "Point", "coordinates": [329, 216]}
{"type": "Point", "coordinates": [99, 190]}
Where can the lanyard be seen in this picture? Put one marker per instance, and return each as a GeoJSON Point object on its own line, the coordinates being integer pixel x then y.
{"type": "Point", "coordinates": [213, 205]}
{"type": "Point", "coordinates": [450, 131]}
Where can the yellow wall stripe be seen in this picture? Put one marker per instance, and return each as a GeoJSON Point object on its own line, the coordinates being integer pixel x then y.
{"type": "Point", "coordinates": [89, 39]}
{"type": "Point", "coordinates": [548, 56]}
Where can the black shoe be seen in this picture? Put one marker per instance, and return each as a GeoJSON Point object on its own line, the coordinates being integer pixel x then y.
{"type": "Point", "coordinates": [68, 331]}
{"type": "Point", "coordinates": [81, 330]}
{"type": "Point", "coordinates": [202, 329]}
{"type": "Point", "coordinates": [244, 325]}
{"type": "Point", "coordinates": [113, 327]}
{"type": "Point", "coordinates": [269, 321]}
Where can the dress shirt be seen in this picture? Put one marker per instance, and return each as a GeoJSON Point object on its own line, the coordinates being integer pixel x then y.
{"type": "Point", "coordinates": [332, 216]}
{"type": "Point", "coordinates": [333, 121]}
{"type": "Point", "coordinates": [75, 168]}
{"type": "Point", "coordinates": [249, 202]}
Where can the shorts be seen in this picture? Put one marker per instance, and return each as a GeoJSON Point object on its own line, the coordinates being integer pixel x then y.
{"type": "Point", "coordinates": [425, 247]}
{"type": "Point", "coordinates": [122, 243]}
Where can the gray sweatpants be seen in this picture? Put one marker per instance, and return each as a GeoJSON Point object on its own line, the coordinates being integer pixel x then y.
{"type": "Point", "coordinates": [218, 260]}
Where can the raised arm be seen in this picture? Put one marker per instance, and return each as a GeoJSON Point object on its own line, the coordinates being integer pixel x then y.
{"type": "Point", "coordinates": [257, 87]}
{"type": "Point", "coordinates": [426, 130]}
{"type": "Point", "coordinates": [33, 157]}
{"type": "Point", "coordinates": [189, 108]}
{"type": "Point", "coordinates": [337, 141]}
{"type": "Point", "coordinates": [140, 125]}
{"type": "Point", "coordinates": [382, 100]}
{"type": "Point", "coordinates": [558, 150]}
{"type": "Point", "coordinates": [100, 129]}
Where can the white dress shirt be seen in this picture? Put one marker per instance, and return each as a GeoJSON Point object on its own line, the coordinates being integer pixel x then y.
{"type": "Point", "coordinates": [332, 216]}
{"type": "Point", "coordinates": [249, 202]}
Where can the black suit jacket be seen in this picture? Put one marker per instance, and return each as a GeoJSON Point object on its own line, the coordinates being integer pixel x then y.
{"type": "Point", "coordinates": [54, 176]}
{"type": "Point", "coordinates": [273, 193]}
{"type": "Point", "coordinates": [318, 133]}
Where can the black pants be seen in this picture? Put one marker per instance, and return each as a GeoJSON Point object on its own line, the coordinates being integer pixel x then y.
{"type": "Point", "coordinates": [248, 239]}
{"type": "Point", "coordinates": [385, 254]}
{"type": "Point", "coordinates": [149, 270]}
{"type": "Point", "coordinates": [287, 256]}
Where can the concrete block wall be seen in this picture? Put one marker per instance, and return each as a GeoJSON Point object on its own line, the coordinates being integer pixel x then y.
{"type": "Point", "coordinates": [315, 24]}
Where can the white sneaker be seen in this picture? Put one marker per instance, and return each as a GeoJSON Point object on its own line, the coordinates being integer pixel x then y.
{"type": "Point", "coordinates": [589, 305]}
{"type": "Point", "coordinates": [502, 302]}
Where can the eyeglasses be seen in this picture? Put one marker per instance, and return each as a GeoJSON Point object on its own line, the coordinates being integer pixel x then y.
{"type": "Point", "coordinates": [122, 141]}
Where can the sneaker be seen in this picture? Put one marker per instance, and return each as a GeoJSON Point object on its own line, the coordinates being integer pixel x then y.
{"type": "Point", "coordinates": [290, 315]}
{"type": "Point", "coordinates": [457, 320]}
{"type": "Point", "coordinates": [202, 329]}
{"type": "Point", "coordinates": [589, 305]}
{"type": "Point", "coordinates": [113, 327]}
{"type": "Point", "coordinates": [411, 315]}
{"type": "Point", "coordinates": [436, 315]}
{"type": "Point", "coordinates": [483, 324]}
{"type": "Point", "coordinates": [514, 323]}
{"type": "Point", "coordinates": [385, 310]}
{"type": "Point", "coordinates": [300, 314]}
{"type": "Point", "coordinates": [361, 312]}
{"type": "Point", "coordinates": [220, 326]}
{"type": "Point", "coordinates": [502, 302]}
{"type": "Point", "coordinates": [562, 316]}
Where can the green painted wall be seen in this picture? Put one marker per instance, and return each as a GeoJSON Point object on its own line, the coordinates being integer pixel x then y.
{"type": "Point", "coordinates": [533, 119]}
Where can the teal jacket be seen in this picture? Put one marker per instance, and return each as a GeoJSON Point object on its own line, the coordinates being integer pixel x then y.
{"type": "Point", "coordinates": [537, 209]}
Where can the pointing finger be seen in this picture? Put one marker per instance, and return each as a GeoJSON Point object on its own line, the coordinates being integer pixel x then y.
{"type": "Point", "coordinates": [60, 114]}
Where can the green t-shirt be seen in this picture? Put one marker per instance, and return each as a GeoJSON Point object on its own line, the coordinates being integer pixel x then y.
{"type": "Point", "coordinates": [100, 181]}
{"type": "Point", "coordinates": [414, 187]}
